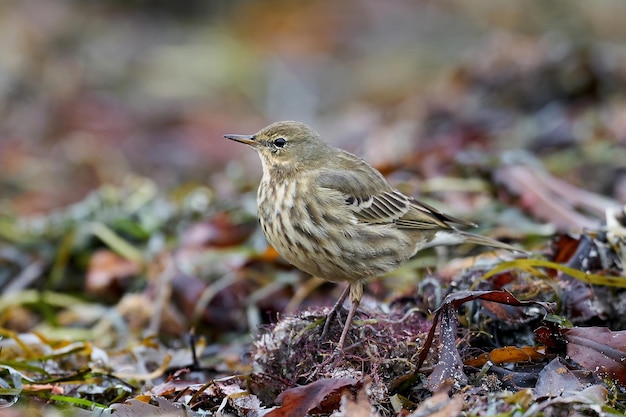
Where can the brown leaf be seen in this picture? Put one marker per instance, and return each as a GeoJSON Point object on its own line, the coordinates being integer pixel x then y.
{"type": "Point", "coordinates": [106, 272]}
{"type": "Point", "coordinates": [509, 354]}
{"type": "Point", "coordinates": [600, 350]}
{"type": "Point", "coordinates": [505, 313]}
{"type": "Point", "coordinates": [298, 401]}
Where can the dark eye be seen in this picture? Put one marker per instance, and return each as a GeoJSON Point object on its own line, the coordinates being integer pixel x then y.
{"type": "Point", "coordinates": [280, 142]}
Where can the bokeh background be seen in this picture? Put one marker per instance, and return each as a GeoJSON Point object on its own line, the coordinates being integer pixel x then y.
{"type": "Point", "coordinates": [127, 221]}
{"type": "Point", "coordinates": [94, 91]}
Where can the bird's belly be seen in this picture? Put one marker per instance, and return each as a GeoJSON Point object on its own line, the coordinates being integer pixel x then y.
{"type": "Point", "coordinates": [322, 241]}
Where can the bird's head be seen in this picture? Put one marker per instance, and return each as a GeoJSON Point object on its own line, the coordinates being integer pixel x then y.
{"type": "Point", "coordinates": [287, 145]}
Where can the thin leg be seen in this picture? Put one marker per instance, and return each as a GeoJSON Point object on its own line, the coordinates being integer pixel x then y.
{"type": "Point", "coordinates": [346, 327]}
{"type": "Point", "coordinates": [334, 310]}
{"type": "Point", "coordinates": [338, 351]}
{"type": "Point", "coordinates": [356, 292]}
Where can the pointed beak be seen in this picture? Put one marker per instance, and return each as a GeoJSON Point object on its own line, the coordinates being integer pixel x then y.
{"type": "Point", "coordinates": [247, 139]}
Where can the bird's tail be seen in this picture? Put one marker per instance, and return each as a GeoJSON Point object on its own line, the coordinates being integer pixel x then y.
{"type": "Point", "coordinates": [487, 241]}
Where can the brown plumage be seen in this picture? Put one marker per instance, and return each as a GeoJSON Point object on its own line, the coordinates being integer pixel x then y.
{"type": "Point", "coordinates": [334, 216]}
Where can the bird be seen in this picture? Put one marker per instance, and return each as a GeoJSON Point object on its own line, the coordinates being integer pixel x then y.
{"type": "Point", "coordinates": [334, 216]}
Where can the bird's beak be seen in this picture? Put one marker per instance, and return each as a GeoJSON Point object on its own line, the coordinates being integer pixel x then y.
{"type": "Point", "coordinates": [247, 139]}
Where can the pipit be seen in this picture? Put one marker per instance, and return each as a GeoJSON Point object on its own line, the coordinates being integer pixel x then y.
{"type": "Point", "coordinates": [334, 216]}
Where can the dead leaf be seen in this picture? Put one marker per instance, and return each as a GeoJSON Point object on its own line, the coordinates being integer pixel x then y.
{"type": "Point", "coordinates": [598, 349]}
{"type": "Point", "coordinates": [359, 407]}
{"type": "Point", "coordinates": [440, 405]}
{"type": "Point", "coordinates": [133, 408]}
{"type": "Point", "coordinates": [555, 379]}
{"type": "Point", "coordinates": [505, 313]}
{"type": "Point", "coordinates": [449, 368]}
{"type": "Point", "coordinates": [298, 401]}
{"type": "Point", "coordinates": [550, 336]}
{"type": "Point", "coordinates": [107, 271]}
{"type": "Point", "coordinates": [509, 354]}
{"type": "Point", "coordinates": [452, 302]}
{"type": "Point", "coordinates": [592, 398]}
{"type": "Point", "coordinates": [563, 248]}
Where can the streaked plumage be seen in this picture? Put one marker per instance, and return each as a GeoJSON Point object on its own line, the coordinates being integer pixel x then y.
{"type": "Point", "coordinates": [334, 216]}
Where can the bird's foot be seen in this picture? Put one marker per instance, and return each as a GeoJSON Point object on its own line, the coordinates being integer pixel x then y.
{"type": "Point", "coordinates": [327, 365]}
{"type": "Point", "coordinates": [334, 358]}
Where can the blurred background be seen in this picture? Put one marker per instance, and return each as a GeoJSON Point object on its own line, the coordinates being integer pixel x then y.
{"type": "Point", "coordinates": [93, 91]}
{"type": "Point", "coordinates": [125, 214]}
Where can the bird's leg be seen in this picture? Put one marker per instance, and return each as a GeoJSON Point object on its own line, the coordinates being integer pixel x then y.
{"type": "Point", "coordinates": [334, 311]}
{"type": "Point", "coordinates": [346, 327]}
{"type": "Point", "coordinates": [356, 292]}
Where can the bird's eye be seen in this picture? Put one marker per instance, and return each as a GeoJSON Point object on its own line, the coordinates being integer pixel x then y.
{"type": "Point", "coordinates": [280, 142]}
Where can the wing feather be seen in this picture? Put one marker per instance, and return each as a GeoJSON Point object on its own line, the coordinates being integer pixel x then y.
{"type": "Point", "coordinates": [372, 200]}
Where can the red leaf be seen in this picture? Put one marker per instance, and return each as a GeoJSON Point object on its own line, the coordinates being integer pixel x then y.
{"type": "Point", "coordinates": [564, 247]}
{"type": "Point", "coordinates": [550, 336]}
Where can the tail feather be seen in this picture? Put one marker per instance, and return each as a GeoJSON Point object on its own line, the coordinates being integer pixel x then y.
{"type": "Point", "coordinates": [487, 241]}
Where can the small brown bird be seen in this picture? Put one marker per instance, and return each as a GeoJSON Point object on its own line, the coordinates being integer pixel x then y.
{"type": "Point", "coordinates": [334, 216]}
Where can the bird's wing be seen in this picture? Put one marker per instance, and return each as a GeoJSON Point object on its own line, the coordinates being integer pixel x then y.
{"type": "Point", "coordinates": [436, 218]}
{"type": "Point", "coordinates": [372, 200]}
